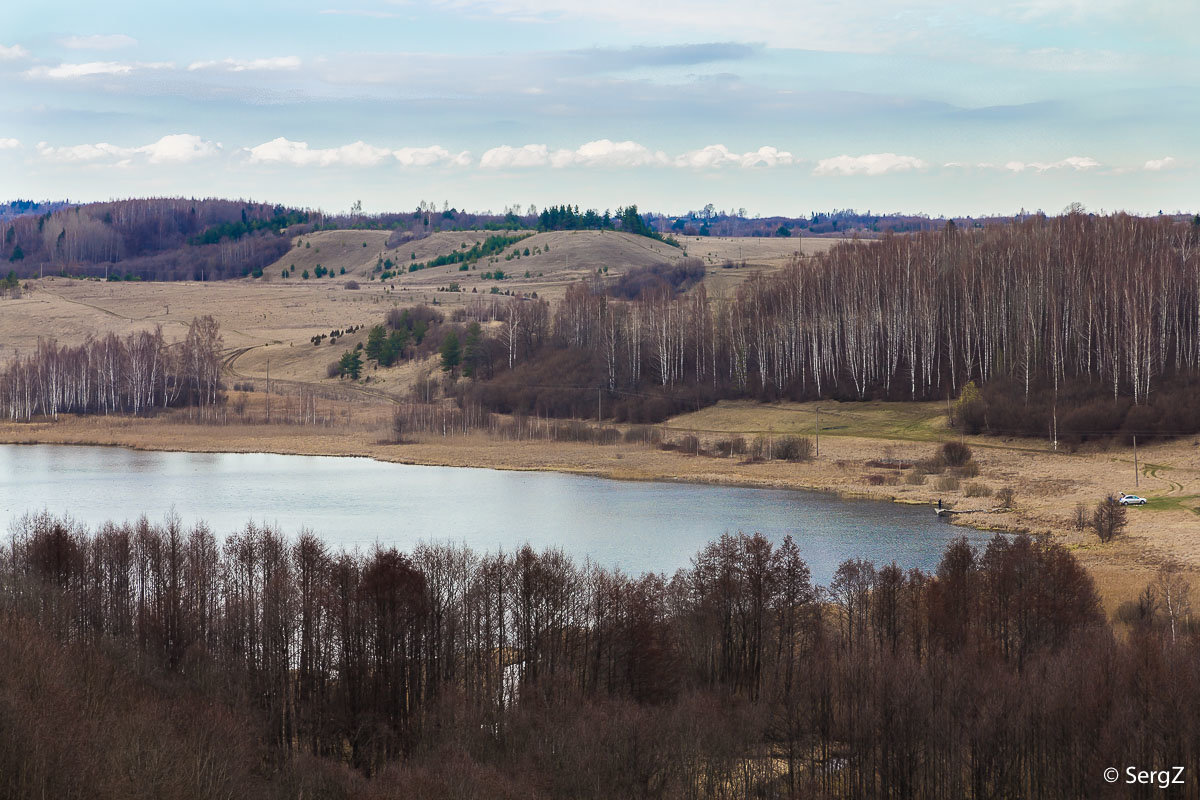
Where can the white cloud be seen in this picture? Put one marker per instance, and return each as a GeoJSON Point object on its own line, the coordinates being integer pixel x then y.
{"type": "Point", "coordinates": [506, 156]}
{"type": "Point", "coordinates": [98, 42]}
{"type": "Point", "coordinates": [88, 69]}
{"type": "Point", "coordinates": [249, 65]}
{"type": "Point", "coordinates": [179, 148]}
{"type": "Point", "coordinates": [174, 148]}
{"type": "Point", "coordinates": [91, 69]}
{"type": "Point", "coordinates": [1159, 164]}
{"type": "Point", "coordinates": [429, 156]}
{"type": "Point", "coordinates": [82, 152]}
{"type": "Point", "coordinates": [718, 155]}
{"type": "Point", "coordinates": [767, 157]}
{"type": "Point", "coordinates": [714, 155]}
{"type": "Point", "coordinates": [9, 144]}
{"type": "Point", "coordinates": [285, 151]}
{"type": "Point", "coordinates": [357, 154]}
{"type": "Point", "coordinates": [870, 164]}
{"type": "Point", "coordinates": [607, 153]}
{"type": "Point", "coordinates": [1072, 162]}
{"type": "Point", "coordinates": [12, 52]}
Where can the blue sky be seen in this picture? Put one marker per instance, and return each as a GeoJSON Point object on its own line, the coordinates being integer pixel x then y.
{"type": "Point", "coordinates": [776, 107]}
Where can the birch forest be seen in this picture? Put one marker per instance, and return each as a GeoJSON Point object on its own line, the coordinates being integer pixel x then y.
{"type": "Point", "coordinates": [132, 375]}
{"type": "Point", "coordinates": [1072, 309]}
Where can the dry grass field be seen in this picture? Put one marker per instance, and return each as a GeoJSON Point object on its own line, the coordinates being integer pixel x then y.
{"type": "Point", "coordinates": [277, 317]}
{"type": "Point", "coordinates": [556, 258]}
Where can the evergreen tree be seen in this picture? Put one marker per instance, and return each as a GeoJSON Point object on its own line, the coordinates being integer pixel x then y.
{"type": "Point", "coordinates": [472, 349]}
{"type": "Point", "coordinates": [351, 364]}
{"type": "Point", "coordinates": [375, 344]}
{"type": "Point", "coordinates": [451, 354]}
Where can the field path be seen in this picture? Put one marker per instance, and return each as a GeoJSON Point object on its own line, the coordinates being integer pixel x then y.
{"type": "Point", "coordinates": [230, 360]}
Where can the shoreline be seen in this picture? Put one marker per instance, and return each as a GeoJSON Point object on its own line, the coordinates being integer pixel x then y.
{"type": "Point", "coordinates": [1121, 568]}
{"type": "Point", "coordinates": [741, 481]}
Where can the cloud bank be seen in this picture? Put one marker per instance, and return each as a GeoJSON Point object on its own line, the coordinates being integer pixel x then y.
{"type": "Point", "coordinates": [176, 148]}
{"type": "Point", "coordinates": [870, 164]}
{"type": "Point", "coordinates": [358, 154]}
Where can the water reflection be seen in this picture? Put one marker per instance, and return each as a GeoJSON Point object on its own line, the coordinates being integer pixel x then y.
{"type": "Point", "coordinates": [355, 502]}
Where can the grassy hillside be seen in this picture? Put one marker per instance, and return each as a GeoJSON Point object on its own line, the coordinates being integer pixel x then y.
{"type": "Point", "coordinates": [539, 262]}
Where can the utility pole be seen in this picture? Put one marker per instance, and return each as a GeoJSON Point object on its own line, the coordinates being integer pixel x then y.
{"type": "Point", "coordinates": [599, 407]}
{"type": "Point", "coordinates": [1135, 463]}
{"type": "Point", "coordinates": [817, 431]}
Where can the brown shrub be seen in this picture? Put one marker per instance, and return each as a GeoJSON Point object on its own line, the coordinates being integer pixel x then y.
{"type": "Point", "coordinates": [794, 448]}
{"type": "Point", "coordinates": [955, 454]}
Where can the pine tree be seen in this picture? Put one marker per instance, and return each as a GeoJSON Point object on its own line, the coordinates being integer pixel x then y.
{"type": "Point", "coordinates": [451, 354]}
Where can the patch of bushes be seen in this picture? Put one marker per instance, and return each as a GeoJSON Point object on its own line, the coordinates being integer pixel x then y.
{"type": "Point", "coordinates": [1005, 497]}
{"type": "Point", "coordinates": [673, 278]}
{"type": "Point", "coordinates": [955, 454]}
{"type": "Point", "coordinates": [948, 483]}
{"type": "Point", "coordinates": [794, 448]}
{"type": "Point", "coordinates": [976, 489]}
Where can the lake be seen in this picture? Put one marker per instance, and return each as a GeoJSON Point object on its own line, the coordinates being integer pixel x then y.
{"type": "Point", "coordinates": [355, 502]}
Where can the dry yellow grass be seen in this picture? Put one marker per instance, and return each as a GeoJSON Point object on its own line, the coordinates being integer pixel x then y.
{"type": "Point", "coordinates": [272, 319]}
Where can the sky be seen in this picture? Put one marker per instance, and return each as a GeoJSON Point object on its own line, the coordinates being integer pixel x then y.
{"type": "Point", "coordinates": [926, 106]}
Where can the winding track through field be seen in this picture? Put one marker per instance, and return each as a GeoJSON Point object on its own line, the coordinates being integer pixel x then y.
{"type": "Point", "coordinates": [231, 357]}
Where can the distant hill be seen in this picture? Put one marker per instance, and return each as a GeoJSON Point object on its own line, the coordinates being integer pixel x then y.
{"type": "Point", "coordinates": [212, 239]}
{"type": "Point", "coordinates": [149, 239]}
{"type": "Point", "coordinates": [549, 255]}
{"type": "Point", "coordinates": [12, 209]}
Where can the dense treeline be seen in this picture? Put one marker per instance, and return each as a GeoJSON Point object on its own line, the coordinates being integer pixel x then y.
{"type": "Point", "coordinates": [711, 221]}
{"type": "Point", "coordinates": [1110, 303]}
{"type": "Point", "coordinates": [627, 219]}
{"type": "Point", "coordinates": [150, 239]}
{"type": "Point", "coordinates": [19, 208]}
{"type": "Point", "coordinates": [454, 673]}
{"type": "Point", "coordinates": [135, 375]}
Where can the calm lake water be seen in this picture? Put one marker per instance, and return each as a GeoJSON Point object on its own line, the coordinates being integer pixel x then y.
{"type": "Point", "coordinates": [355, 502]}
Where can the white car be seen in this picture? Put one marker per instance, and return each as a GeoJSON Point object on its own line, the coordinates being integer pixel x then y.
{"type": "Point", "coordinates": [1132, 500]}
